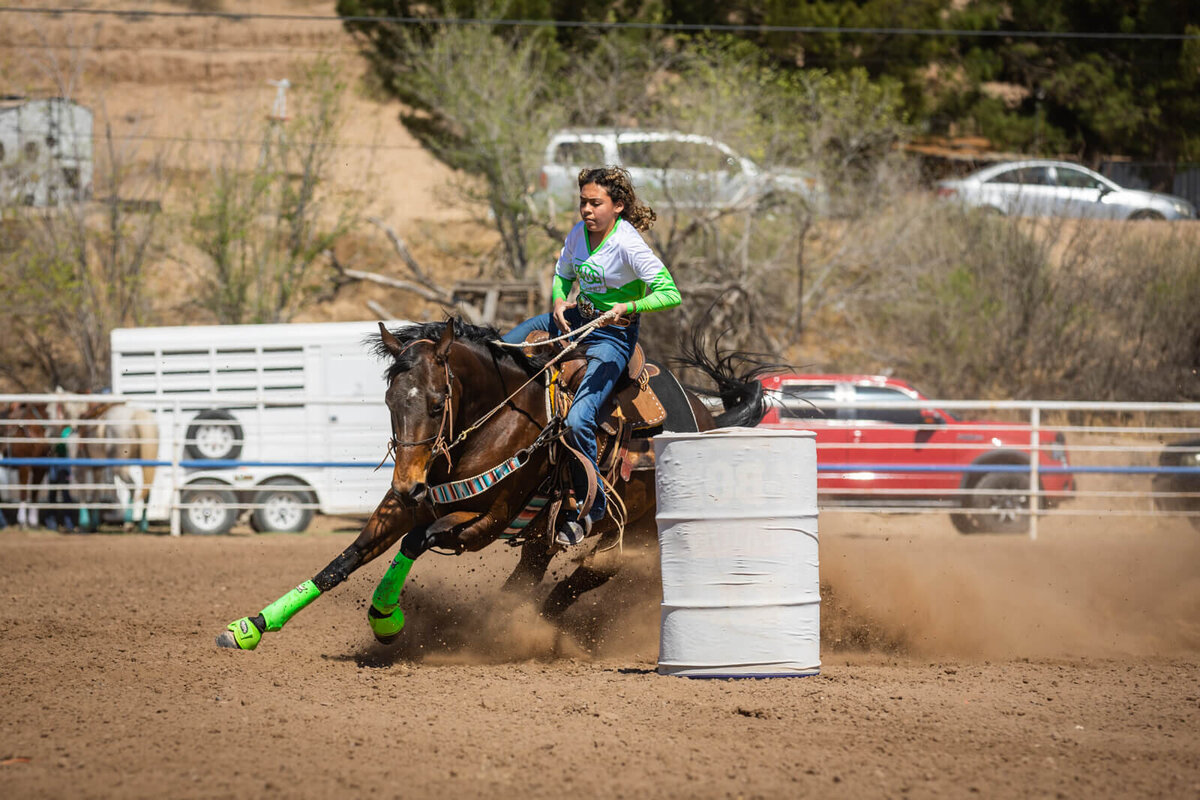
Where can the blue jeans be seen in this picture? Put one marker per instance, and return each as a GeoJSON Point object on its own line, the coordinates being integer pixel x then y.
{"type": "Point", "coordinates": [608, 350]}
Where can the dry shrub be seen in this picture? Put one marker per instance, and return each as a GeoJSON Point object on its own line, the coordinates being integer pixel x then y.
{"type": "Point", "coordinates": [972, 305]}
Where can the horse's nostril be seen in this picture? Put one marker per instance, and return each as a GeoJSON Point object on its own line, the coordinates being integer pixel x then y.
{"type": "Point", "coordinates": [417, 492]}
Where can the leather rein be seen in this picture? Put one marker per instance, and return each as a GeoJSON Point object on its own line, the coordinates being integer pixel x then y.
{"type": "Point", "coordinates": [445, 440]}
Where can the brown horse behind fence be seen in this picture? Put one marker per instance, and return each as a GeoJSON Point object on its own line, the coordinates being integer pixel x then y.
{"type": "Point", "coordinates": [27, 434]}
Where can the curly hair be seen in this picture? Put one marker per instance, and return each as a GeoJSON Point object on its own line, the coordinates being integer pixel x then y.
{"type": "Point", "coordinates": [619, 185]}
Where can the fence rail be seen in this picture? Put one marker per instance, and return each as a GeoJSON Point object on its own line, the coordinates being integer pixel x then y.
{"type": "Point", "coordinates": [1114, 451]}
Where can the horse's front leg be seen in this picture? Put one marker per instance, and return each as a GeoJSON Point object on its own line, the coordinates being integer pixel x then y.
{"type": "Point", "coordinates": [459, 530]}
{"type": "Point", "coordinates": [390, 520]}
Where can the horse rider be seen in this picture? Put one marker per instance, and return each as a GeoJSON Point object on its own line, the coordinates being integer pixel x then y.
{"type": "Point", "coordinates": [619, 278]}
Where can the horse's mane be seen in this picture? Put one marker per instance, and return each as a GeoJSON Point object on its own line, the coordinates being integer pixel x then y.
{"type": "Point", "coordinates": [481, 336]}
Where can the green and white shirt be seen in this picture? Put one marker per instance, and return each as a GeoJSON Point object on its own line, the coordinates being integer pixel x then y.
{"type": "Point", "coordinates": [623, 269]}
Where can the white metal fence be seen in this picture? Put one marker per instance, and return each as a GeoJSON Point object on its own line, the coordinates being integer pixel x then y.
{"type": "Point", "coordinates": [1131, 459]}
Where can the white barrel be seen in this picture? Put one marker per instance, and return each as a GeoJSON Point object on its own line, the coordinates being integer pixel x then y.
{"type": "Point", "coordinates": [737, 532]}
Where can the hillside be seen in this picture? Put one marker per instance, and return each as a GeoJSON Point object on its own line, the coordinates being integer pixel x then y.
{"type": "Point", "coordinates": [177, 84]}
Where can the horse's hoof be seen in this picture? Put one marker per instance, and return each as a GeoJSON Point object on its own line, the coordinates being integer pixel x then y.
{"type": "Point", "coordinates": [241, 635]}
{"type": "Point", "coordinates": [386, 627]}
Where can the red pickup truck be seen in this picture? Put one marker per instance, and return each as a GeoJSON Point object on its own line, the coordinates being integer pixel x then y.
{"type": "Point", "coordinates": [871, 450]}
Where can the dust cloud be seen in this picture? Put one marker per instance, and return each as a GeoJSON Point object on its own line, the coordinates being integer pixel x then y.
{"type": "Point", "coordinates": [1101, 587]}
{"type": "Point", "coordinates": [907, 586]}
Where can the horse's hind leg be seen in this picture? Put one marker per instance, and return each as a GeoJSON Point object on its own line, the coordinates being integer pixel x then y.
{"type": "Point", "coordinates": [390, 520]}
{"type": "Point", "coordinates": [564, 595]}
{"type": "Point", "coordinates": [536, 555]}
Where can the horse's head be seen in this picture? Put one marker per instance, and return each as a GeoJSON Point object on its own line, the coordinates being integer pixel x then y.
{"type": "Point", "coordinates": [448, 378]}
{"type": "Point", "coordinates": [421, 399]}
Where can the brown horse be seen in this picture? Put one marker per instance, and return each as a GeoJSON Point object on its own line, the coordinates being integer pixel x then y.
{"type": "Point", "coordinates": [472, 437]}
{"type": "Point", "coordinates": [27, 435]}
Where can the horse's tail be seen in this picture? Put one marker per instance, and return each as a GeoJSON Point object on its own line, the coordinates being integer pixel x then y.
{"type": "Point", "coordinates": [736, 375]}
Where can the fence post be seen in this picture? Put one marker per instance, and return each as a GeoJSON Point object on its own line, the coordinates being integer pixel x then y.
{"type": "Point", "coordinates": [1035, 456]}
{"type": "Point", "coordinates": [176, 450]}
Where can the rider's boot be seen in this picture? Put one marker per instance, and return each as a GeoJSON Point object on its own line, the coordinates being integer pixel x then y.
{"type": "Point", "coordinates": [384, 614]}
{"type": "Point", "coordinates": [574, 529]}
{"type": "Point", "coordinates": [246, 633]}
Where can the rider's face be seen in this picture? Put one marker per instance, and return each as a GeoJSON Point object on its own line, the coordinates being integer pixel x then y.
{"type": "Point", "coordinates": [596, 208]}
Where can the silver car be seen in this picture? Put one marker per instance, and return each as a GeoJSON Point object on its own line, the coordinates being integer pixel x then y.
{"type": "Point", "coordinates": [669, 168]}
{"type": "Point", "coordinates": [1059, 189]}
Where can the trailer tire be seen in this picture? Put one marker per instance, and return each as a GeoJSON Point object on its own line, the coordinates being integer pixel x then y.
{"type": "Point", "coordinates": [214, 435]}
{"type": "Point", "coordinates": [214, 507]}
{"type": "Point", "coordinates": [282, 511]}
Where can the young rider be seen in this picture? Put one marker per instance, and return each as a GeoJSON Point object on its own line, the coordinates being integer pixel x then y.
{"type": "Point", "coordinates": [620, 278]}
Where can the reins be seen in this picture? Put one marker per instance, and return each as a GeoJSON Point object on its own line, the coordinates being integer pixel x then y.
{"type": "Point", "coordinates": [445, 440]}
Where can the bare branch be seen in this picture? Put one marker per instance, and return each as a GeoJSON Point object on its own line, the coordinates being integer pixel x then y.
{"type": "Point", "coordinates": [402, 250]}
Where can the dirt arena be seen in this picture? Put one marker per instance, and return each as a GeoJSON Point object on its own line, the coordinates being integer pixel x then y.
{"type": "Point", "coordinates": [1066, 667]}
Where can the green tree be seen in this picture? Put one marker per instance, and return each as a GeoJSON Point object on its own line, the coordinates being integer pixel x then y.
{"type": "Point", "coordinates": [482, 100]}
{"type": "Point", "coordinates": [76, 270]}
{"type": "Point", "coordinates": [269, 211]}
{"type": "Point", "coordinates": [1091, 96]}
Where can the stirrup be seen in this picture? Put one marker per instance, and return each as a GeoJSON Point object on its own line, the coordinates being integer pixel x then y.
{"type": "Point", "coordinates": [572, 532]}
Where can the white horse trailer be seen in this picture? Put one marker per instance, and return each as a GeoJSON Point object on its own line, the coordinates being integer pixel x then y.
{"type": "Point", "coordinates": [275, 420]}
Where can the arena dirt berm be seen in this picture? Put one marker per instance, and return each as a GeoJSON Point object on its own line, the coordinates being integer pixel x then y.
{"type": "Point", "coordinates": [1067, 666]}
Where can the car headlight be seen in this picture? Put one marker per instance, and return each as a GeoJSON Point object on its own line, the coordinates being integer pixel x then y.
{"type": "Point", "coordinates": [1184, 210]}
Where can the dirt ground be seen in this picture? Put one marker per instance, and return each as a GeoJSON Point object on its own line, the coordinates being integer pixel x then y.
{"type": "Point", "coordinates": [1067, 667]}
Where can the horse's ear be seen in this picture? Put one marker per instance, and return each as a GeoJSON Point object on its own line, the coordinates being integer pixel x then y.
{"type": "Point", "coordinates": [390, 342]}
{"type": "Point", "coordinates": [442, 352]}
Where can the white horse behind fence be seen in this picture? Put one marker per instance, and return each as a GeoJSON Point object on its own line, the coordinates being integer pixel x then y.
{"type": "Point", "coordinates": [112, 432]}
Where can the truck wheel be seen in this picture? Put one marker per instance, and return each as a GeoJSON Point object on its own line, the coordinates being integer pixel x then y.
{"type": "Point", "coordinates": [214, 435]}
{"type": "Point", "coordinates": [283, 507]}
{"type": "Point", "coordinates": [964, 523]}
{"type": "Point", "coordinates": [1001, 513]}
{"type": "Point", "coordinates": [210, 507]}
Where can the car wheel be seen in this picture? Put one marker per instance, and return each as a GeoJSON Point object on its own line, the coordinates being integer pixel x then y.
{"type": "Point", "coordinates": [209, 507]}
{"type": "Point", "coordinates": [213, 436]}
{"type": "Point", "coordinates": [1003, 512]}
{"type": "Point", "coordinates": [282, 507]}
{"type": "Point", "coordinates": [1146, 214]}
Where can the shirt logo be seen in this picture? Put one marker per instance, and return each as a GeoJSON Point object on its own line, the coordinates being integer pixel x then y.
{"type": "Point", "coordinates": [588, 273]}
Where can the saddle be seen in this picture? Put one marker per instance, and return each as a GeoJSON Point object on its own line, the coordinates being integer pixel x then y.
{"type": "Point", "coordinates": [629, 416]}
{"type": "Point", "coordinates": [632, 402]}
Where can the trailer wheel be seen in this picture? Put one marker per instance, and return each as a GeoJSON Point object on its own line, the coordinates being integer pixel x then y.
{"type": "Point", "coordinates": [282, 509]}
{"type": "Point", "coordinates": [210, 507]}
{"type": "Point", "coordinates": [214, 435]}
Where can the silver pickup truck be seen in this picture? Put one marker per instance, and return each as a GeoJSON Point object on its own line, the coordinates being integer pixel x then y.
{"type": "Point", "coordinates": [669, 169]}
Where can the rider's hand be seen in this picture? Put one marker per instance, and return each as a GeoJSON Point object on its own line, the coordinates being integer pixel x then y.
{"type": "Point", "coordinates": [613, 314]}
{"type": "Point", "coordinates": [560, 307]}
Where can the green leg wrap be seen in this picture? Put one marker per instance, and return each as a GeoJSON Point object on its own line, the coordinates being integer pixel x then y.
{"type": "Point", "coordinates": [289, 605]}
{"type": "Point", "coordinates": [85, 519]}
{"type": "Point", "coordinates": [384, 616]}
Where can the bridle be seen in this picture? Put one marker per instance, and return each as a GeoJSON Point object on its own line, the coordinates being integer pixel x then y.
{"type": "Point", "coordinates": [445, 440]}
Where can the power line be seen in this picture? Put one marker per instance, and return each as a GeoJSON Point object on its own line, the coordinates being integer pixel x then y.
{"type": "Point", "coordinates": [1160, 58]}
{"type": "Point", "coordinates": [138, 137]}
{"type": "Point", "coordinates": [680, 27]}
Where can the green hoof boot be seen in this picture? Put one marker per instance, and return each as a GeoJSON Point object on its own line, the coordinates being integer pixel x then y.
{"type": "Point", "coordinates": [386, 627]}
{"type": "Point", "coordinates": [241, 635]}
